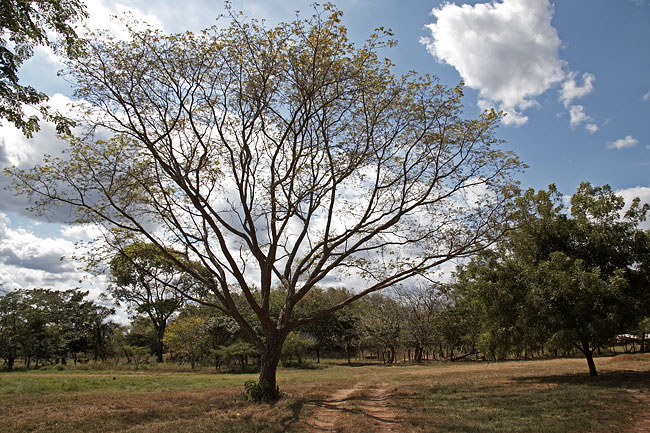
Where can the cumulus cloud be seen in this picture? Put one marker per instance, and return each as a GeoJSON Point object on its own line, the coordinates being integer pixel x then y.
{"type": "Point", "coordinates": [623, 143]}
{"type": "Point", "coordinates": [28, 261]}
{"type": "Point", "coordinates": [18, 151]}
{"type": "Point", "coordinates": [578, 117]}
{"type": "Point", "coordinates": [508, 50]}
{"type": "Point", "coordinates": [571, 90]}
{"type": "Point", "coordinates": [646, 97]}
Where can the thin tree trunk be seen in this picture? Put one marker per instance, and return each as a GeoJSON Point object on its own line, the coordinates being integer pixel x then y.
{"type": "Point", "coordinates": [159, 345]}
{"type": "Point", "coordinates": [588, 353]}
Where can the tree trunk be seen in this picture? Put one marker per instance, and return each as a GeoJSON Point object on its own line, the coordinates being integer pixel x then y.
{"type": "Point", "coordinates": [159, 345]}
{"type": "Point", "coordinates": [589, 355]}
{"type": "Point", "coordinates": [317, 354]}
{"type": "Point", "coordinates": [269, 359]}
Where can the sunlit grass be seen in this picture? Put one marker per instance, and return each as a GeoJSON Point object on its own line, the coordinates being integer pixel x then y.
{"type": "Point", "coordinates": [533, 396]}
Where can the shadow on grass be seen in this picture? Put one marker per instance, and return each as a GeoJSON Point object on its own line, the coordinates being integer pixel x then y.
{"type": "Point", "coordinates": [626, 379]}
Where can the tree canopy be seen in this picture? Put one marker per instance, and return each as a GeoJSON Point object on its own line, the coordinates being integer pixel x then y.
{"type": "Point", "coordinates": [25, 24]}
{"type": "Point", "coordinates": [562, 278]}
{"type": "Point", "coordinates": [278, 156]}
{"type": "Point", "coordinates": [148, 281]}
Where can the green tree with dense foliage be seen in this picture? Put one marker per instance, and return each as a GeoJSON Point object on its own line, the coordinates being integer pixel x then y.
{"type": "Point", "coordinates": [147, 281]}
{"type": "Point", "coordinates": [52, 325]}
{"type": "Point", "coordinates": [562, 278]}
{"type": "Point", "coordinates": [279, 156]}
{"type": "Point", "coordinates": [186, 337]}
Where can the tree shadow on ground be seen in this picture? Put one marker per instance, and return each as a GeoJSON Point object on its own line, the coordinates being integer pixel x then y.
{"type": "Point", "coordinates": [623, 379]}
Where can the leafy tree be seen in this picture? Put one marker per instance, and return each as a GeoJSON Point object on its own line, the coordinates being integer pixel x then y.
{"type": "Point", "coordinates": [187, 337]}
{"type": "Point", "coordinates": [140, 333]}
{"type": "Point", "coordinates": [25, 24]}
{"type": "Point", "coordinates": [147, 280]}
{"type": "Point", "coordinates": [296, 346]}
{"type": "Point", "coordinates": [237, 351]}
{"type": "Point", "coordinates": [221, 331]}
{"type": "Point", "coordinates": [579, 306]}
{"type": "Point", "coordinates": [284, 153]}
{"type": "Point", "coordinates": [562, 278]}
{"type": "Point", "coordinates": [12, 326]}
{"type": "Point", "coordinates": [102, 332]}
{"type": "Point", "coordinates": [335, 329]}
{"type": "Point", "coordinates": [43, 324]}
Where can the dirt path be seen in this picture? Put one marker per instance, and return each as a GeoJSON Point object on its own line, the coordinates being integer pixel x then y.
{"type": "Point", "coordinates": [375, 408]}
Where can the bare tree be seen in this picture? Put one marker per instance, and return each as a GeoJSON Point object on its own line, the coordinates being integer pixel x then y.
{"type": "Point", "coordinates": [282, 156]}
{"type": "Point", "coordinates": [421, 308]}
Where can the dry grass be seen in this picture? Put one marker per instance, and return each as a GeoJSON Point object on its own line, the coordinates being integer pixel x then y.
{"type": "Point", "coordinates": [533, 396]}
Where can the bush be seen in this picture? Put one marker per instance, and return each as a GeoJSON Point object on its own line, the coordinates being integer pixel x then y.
{"type": "Point", "coordinates": [256, 391]}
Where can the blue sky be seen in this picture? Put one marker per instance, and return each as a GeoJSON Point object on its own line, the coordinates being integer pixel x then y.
{"type": "Point", "coordinates": [573, 77]}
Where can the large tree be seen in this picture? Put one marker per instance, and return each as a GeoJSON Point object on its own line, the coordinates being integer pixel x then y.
{"type": "Point", "coordinates": [25, 24]}
{"type": "Point", "coordinates": [562, 278]}
{"type": "Point", "coordinates": [278, 156]}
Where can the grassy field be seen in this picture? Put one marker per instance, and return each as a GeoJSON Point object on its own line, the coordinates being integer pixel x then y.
{"type": "Point", "coordinates": [527, 396]}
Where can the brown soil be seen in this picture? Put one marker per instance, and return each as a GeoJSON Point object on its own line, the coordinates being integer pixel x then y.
{"type": "Point", "coordinates": [629, 357]}
{"type": "Point", "coordinates": [374, 407]}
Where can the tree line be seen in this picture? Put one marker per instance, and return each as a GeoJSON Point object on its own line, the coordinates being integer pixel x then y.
{"type": "Point", "coordinates": [562, 280]}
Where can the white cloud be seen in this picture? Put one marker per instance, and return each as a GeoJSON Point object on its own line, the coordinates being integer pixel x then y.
{"type": "Point", "coordinates": [578, 117]}
{"type": "Point", "coordinates": [643, 192]}
{"type": "Point", "coordinates": [646, 97]}
{"type": "Point", "coordinates": [32, 261]}
{"type": "Point", "coordinates": [102, 17]}
{"type": "Point", "coordinates": [507, 50]}
{"type": "Point", "coordinates": [571, 90]}
{"type": "Point", "coordinates": [623, 143]}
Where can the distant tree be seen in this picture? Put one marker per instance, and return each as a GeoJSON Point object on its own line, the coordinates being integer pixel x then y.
{"type": "Point", "coordinates": [140, 332]}
{"type": "Point", "coordinates": [43, 324]}
{"type": "Point", "coordinates": [12, 326]}
{"type": "Point", "coordinates": [221, 331]}
{"type": "Point", "coordinates": [25, 24]}
{"type": "Point", "coordinates": [336, 328]}
{"type": "Point", "coordinates": [283, 153]}
{"type": "Point", "coordinates": [186, 337]}
{"type": "Point", "coordinates": [382, 323]}
{"type": "Point", "coordinates": [421, 307]}
{"type": "Point", "coordinates": [146, 280]}
{"type": "Point", "coordinates": [297, 346]}
{"type": "Point", "coordinates": [102, 332]}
